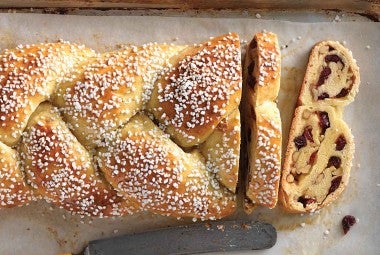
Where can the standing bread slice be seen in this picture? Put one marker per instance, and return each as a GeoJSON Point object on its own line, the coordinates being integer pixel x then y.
{"type": "Point", "coordinates": [321, 147]}
{"type": "Point", "coordinates": [262, 122]}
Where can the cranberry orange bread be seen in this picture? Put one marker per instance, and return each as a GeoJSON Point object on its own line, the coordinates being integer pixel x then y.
{"type": "Point", "coordinates": [152, 128]}
{"type": "Point", "coordinates": [320, 149]}
{"type": "Point", "coordinates": [262, 122]}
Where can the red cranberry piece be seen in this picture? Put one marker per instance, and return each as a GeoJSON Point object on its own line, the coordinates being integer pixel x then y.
{"type": "Point", "coordinates": [312, 158]}
{"type": "Point", "coordinates": [335, 184]}
{"type": "Point", "coordinates": [333, 58]}
{"type": "Point", "coordinates": [347, 222]}
{"type": "Point", "coordinates": [342, 93]}
{"type": "Point", "coordinates": [300, 141]}
{"type": "Point", "coordinates": [340, 143]}
{"type": "Point", "coordinates": [326, 71]}
{"type": "Point", "coordinates": [307, 133]}
{"type": "Point", "coordinates": [334, 161]}
{"type": "Point", "coordinates": [253, 44]}
{"type": "Point", "coordinates": [305, 201]}
{"type": "Point", "coordinates": [323, 96]}
{"type": "Point", "coordinates": [324, 121]}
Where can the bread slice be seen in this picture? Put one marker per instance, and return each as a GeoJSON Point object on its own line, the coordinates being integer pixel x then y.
{"type": "Point", "coordinates": [320, 149]}
{"type": "Point", "coordinates": [262, 122]}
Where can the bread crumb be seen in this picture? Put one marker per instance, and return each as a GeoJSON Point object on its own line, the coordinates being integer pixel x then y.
{"type": "Point", "coordinates": [258, 15]}
{"type": "Point", "coordinates": [303, 224]}
{"type": "Point", "coordinates": [245, 226]}
{"type": "Point", "coordinates": [368, 47]}
{"type": "Point", "coordinates": [337, 18]}
{"type": "Point", "coordinates": [220, 227]}
{"type": "Point", "coordinates": [326, 232]}
{"type": "Point", "coordinates": [115, 231]}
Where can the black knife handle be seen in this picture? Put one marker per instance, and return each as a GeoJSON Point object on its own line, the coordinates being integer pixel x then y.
{"type": "Point", "coordinates": [190, 239]}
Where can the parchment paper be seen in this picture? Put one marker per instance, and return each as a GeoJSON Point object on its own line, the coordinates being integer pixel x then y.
{"type": "Point", "coordinates": [42, 229]}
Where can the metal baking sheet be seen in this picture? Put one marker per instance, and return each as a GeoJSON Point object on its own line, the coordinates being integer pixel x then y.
{"type": "Point", "coordinates": [42, 229]}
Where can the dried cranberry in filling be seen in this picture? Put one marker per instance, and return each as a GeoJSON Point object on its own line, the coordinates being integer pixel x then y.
{"type": "Point", "coordinates": [300, 141]}
{"type": "Point", "coordinates": [334, 161]}
{"type": "Point", "coordinates": [342, 93]}
{"type": "Point", "coordinates": [306, 201]}
{"type": "Point", "coordinates": [326, 71]}
{"type": "Point", "coordinates": [331, 48]}
{"type": "Point", "coordinates": [340, 143]}
{"type": "Point", "coordinates": [323, 96]}
{"type": "Point", "coordinates": [333, 58]}
{"type": "Point", "coordinates": [307, 133]}
{"type": "Point", "coordinates": [324, 121]}
{"type": "Point", "coordinates": [312, 158]}
{"type": "Point", "coordinates": [347, 222]}
{"type": "Point", "coordinates": [335, 184]}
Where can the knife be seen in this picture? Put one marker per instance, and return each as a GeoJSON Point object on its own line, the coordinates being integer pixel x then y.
{"type": "Point", "coordinates": [190, 239]}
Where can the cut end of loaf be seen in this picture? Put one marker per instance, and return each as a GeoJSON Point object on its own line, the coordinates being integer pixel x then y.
{"type": "Point", "coordinates": [262, 123]}
{"type": "Point", "coordinates": [332, 76]}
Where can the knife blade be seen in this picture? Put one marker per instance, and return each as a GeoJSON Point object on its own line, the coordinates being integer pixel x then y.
{"type": "Point", "coordinates": [190, 239]}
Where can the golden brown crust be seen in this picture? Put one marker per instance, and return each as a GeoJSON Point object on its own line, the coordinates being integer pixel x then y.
{"type": "Point", "coordinates": [201, 89]}
{"type": "Point", "coordinates": [100, 95]}
{"type": "Point", "coordinates": [112, 87]}
{"type": "Point", "coordinates": [143, 165]}
{"type": "Point", "coordinates": [60, 169]}
{"type": "Point", "coordinates": [28, 76]}
{"type": "Point", "coordinates": [13, 189]}
{"type": "Point", "coordinates": [321, 147]}
{"type": "Point", "coordinates": [222, 149]}
{"type": "Point", "coordinates": [262, 121]}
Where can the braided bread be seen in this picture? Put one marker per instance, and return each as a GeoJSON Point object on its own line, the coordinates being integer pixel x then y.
{"type": "Point", "coordinates": [154, 127]}
{"type": "Point", "coordinates": [321, 147]}
{"type": "Point", "coordinates": [262, 123]}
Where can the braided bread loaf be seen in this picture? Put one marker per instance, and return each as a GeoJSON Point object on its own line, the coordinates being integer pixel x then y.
{"type": "Point", "coordinates": [262, 122]}
{"type": "Point", "coordinates": [321, 147]}
{"type": "Point", "coordinates": [153, 128]}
